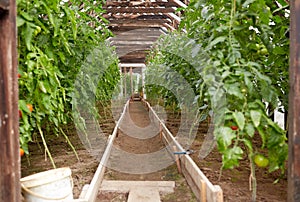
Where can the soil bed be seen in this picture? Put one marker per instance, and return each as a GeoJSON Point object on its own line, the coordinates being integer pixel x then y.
{"type": "Point", "coordinates": [234, 183]}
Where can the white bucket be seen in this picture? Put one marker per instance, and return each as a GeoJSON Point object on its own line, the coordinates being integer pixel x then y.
{"type": "Point", "coordinates": [52, 185]}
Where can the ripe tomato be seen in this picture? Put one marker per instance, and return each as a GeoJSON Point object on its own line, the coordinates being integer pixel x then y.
{"type": "Point", "coordinates": [22, 152]}
{"type": "Point", "coordinates": [261, 161]}
{"type": "Point", "coordinates": [234, 127]}
{"type": "Point", "coordinates": [20, 114]}
{"type": "Point", "coordinates": [30, 107]}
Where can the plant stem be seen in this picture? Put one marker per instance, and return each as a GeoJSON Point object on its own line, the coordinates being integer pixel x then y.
{"type": "Point", "coordinates": [252, 178]}
{"type": "Point", "coordinates": [45, 145]}
{"type": "Point", "coordinates": [70, 144]}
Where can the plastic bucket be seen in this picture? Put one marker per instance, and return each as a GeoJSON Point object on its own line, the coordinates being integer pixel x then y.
{"type": "Point", "coordinates": [52, 185]}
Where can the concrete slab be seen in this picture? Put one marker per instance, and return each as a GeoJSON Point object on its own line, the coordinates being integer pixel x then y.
{"type": "Point", "coordinates": [139, 191]}
{"type": "Point", "coordinates": [144, 195]}
{"type": "Point", "coordinates": [163, 187]}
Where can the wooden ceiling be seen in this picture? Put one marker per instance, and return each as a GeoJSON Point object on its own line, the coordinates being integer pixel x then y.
{"type": "Point", "coordinates": [138, 24]}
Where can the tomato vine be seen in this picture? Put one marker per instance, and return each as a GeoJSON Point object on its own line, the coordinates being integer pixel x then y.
{"type": "Point", "coordinates": [235, 56]}
{"type": "Point", "coordinates": [55, 39]}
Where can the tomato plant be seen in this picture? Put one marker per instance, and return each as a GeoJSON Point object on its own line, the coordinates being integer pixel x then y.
{"type": "Point", "coordinates": [228, 53]}
{"type": "Point", "coordinates": [55, 39]}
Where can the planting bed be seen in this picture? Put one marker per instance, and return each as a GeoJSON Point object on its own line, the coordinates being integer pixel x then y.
{"type": "Point", "coordinates": [234, 183]}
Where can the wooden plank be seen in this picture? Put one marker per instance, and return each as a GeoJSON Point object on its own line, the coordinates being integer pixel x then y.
{"type": "Point", "coordinates": [123, 186]}
{"type": "Point", "coordinates": [139, 22]}
{"type": "Point", "coordinates": [179, 3]}
{"type": "Point", "coordinates": [10, 189]}
{"type": "Point", "coordinates": [294, 106]}
{"type": "Point", "coordinates": [143, 25]}
{"type": "Point", "coordinates": [202, 190]}
{"type": "Point", "coordinates": [177, 159]}
{"type": "Point", "coordinates": [134, 43]}
{"type": "Point", "coordinates": [93, 188]}
{"type": "Point", "coordinates": [139, 10]}
{"type": "Point", "coordinates": [132, 3]}
{"type": "Point", "coordinates": [141, 65]}
{"type": "Point", "coordinates": [192, 185]}
{"type": "Point", "coordinates": [130, 16]}
{"type": "Point", "coordinates": [218, 193]}
{"type": "Point", "coordinates": [83, 191]}
{"type": "Point", "coordinates": [213, 193]}
{"type": "Point", "coordinates": [121, 30]}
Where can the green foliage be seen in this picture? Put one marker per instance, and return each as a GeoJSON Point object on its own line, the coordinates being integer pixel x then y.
{"type": "Point", "coordinates": [55, 39]}
{"type": "Point", "coordinates": [234, 54]}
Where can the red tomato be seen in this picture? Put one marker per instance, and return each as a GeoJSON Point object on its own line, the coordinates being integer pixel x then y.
{"type": "Point", "coordinates": [234, 127]}
{"type": "Point", "coordinates": [22, 152]}
{"type": "Point", "coordinates": [30, 107]}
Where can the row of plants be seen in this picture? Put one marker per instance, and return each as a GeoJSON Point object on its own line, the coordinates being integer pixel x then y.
{"type": "Point", "coordinates": [57, 41]}
{"type": "Point", "coordinates": [234, 55]}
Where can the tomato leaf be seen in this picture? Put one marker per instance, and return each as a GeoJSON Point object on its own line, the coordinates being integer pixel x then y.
{"type": "Point", "coordinates": [224, 137]}
{"type": "Point", "coordinates": [23, 106]}
{"type": "Point", "coordinates": [28, 35]}
{"type": "Point", "coordinates": [42, 87]}
{"type": "Point", "coordinates": [231, 157]}
{"type": "Point", "coordinates": [250, 130]}
{"type": "Point", "coordinates": [239, 119]}
{"type": "Point", "coordinates": [255, 117]}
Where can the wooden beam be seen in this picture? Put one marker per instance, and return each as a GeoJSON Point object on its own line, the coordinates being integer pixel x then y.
{"type": "Point", "coordinates": [135, 43]}
{"type": "Point", "coordinates": [139, 22]}
{"type": "Point", "coordinates": [131, 81]}
{"type": "Point", "coordinates": [133, 58]}
{"type": "Point", "coordinates": [134, 65]}
{"type": "Point", "coordinates": [131, 3]}
{"type": "Point", "coordinates": [139, 25]}
{"type": "Point", "coordinates": [179, 3]}
{"type": "Point", "coordinates": [294, 105]}
{"type": "Point", "coordinates": [123, 48]}
{"type": "Point", "coordinates": [139, 10]}
{"type": "Point", "coordinates": [131, 16]}
{"type": "Point", "coordinates": [93, 188]}
{"type": "Point", "coordinates": [10, 189]}
{"type": "Point", "coordinates": [125, 85]}
{"type": "Point", "coordinates": [125, 59]}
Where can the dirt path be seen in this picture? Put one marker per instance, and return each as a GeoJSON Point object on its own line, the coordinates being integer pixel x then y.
{"type": "Point", "coordinates": [134, 145]}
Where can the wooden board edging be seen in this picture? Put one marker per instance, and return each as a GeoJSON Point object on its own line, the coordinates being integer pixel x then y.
{"type": "Point", "coordinates": [201, 186]}
{"type": "Point", "coordinates": [92, 191]}
{"type": "Point", "coordinates": [203, 189]}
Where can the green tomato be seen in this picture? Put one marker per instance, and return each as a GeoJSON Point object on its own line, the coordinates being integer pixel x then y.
{"type": "Point", "coordinates": [264, 51]}
{"type": "Point", "coordinates": [261, 161]}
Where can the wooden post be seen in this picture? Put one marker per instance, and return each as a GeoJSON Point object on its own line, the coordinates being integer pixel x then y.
{"type": "Point", "coordinates": [121, 83]}
{"type": "Point", "coordinates": [10, 189]}
{"type": "Point", "coordinates": [160, 131]}
{"type": "Point", "coordinates": [294, 105]}
{"type": "Point", "coordinates": [177, 159]}
{"type": "Point", "coordinates": [203, 190]}
{"type": "Point", "coordinates": [125, 81]}
{"type": "Point", "coordinates": [142, 79]}
{"type": "Point", "coordinates": [131, 81]}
